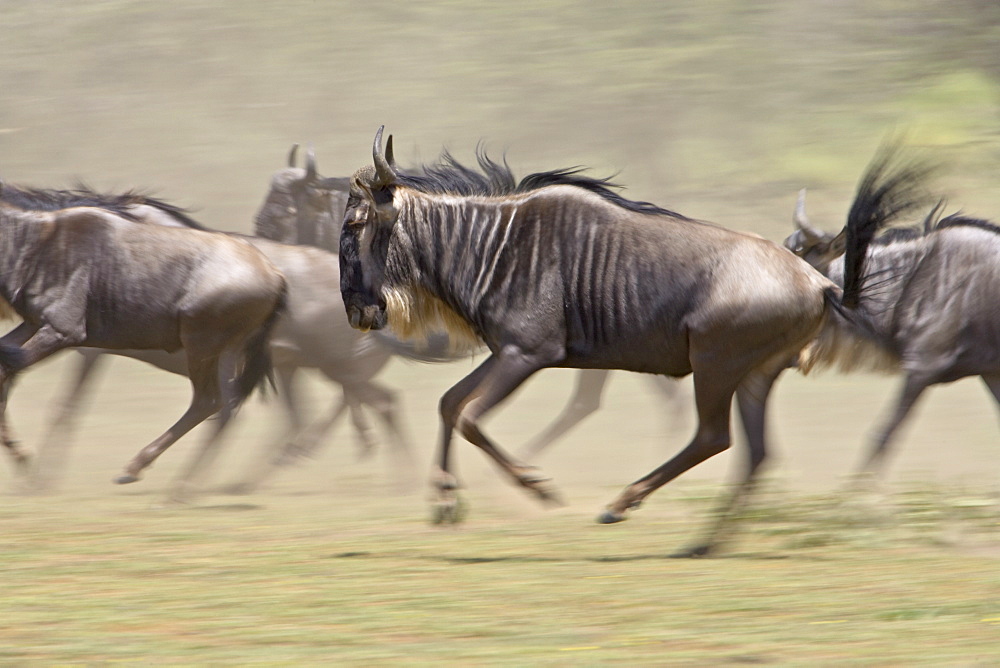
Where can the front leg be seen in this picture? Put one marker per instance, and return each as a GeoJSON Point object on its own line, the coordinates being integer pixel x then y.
{"type": "Point", "coordinates": [497, 378]}
{"type": "Point", "coordinates": [444, 484]}
{"type": "Point", "coordinates": [19, 349]}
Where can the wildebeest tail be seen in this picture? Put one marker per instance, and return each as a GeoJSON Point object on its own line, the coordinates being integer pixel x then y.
{"type": "Point", "coordinates": [891, 186]}
{"type": "Point", "coordinates": [257, 370]}
{"type": "Point", "coordinates": [848, 340]}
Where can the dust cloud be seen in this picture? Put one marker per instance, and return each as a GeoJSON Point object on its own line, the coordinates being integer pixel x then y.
{"type": "Point", "coordinates": [719, 110]}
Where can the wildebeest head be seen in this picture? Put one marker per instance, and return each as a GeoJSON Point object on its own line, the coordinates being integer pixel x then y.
{"type": "Point", "coordinates": [364, 239]}
{"type": "Point", "coordinates": [302, 207]}
{"type": "Point", "coordinates": [815, 246]}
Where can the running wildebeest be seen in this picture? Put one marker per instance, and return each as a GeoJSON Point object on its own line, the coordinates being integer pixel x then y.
{"type": "Point", "coordinates": [931, 293]}
{"type": "Point", "coordinates": [311, 332]}
{"type": "Point", "coordinates": [301, 206]}
{"type": "Point", "coordinates": [86, 275]}
{"type": "Point", "coordinates": [558, 270]}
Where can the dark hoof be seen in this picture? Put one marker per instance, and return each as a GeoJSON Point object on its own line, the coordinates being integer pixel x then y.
{"type": "Point", "coordinates": [448, 512]}
{"type": "Point", "coordinates": [696, 552]}
{"type": "Point", "coordinates": [610, 517]}
{"type": "Point", "coordinates": [550, 497]}
{"type": "Point", "coordinates": [126, 478]}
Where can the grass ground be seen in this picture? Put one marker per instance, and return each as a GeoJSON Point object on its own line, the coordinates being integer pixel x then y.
{"type": "Point", "coordinates": [331, 565]}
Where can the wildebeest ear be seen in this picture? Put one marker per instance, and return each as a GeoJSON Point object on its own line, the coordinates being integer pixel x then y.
{"type": "Point", "coordinates": [838, 244]}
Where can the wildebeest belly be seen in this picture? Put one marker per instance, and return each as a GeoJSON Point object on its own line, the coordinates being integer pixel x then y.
{"type": "Point", "coordinates": [650, 350]}
{"type": "Point", "coordinates": [133, 326]}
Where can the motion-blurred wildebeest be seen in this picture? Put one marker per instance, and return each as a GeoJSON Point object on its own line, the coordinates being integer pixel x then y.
{"type": "Point", "coordinates": [302, 207]}
{"type": "Point", "coordinates": [86, 275]}
{"type": "Point", "coordinates": [558, 270]}
{"type": "Point", "coordinates": [311, 332]}
{"type": "Point", "coordinates": [930, 293]}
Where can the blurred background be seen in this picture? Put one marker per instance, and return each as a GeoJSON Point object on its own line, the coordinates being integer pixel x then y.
{"type": "Point", "coordinates": [721, 110]}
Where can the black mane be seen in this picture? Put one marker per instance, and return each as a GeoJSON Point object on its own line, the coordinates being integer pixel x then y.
{"type": "Point", "coordinates": [959, 220]}
{"type": "Point", "coordinates": [450, 177]}
{"type": "Point", "coordinates": [41, 199]}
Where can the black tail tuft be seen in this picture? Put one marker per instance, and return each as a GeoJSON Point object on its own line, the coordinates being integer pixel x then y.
{"type": "Point", "coordinates": [891, 186]}
{"type": "Point", "coordinates": [257, 370]}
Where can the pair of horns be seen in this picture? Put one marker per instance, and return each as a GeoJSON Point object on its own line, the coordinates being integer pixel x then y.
{"type": "Point", "coordinates": [311, 173]}
{"type": "Point", "coordinates": [385, 163]}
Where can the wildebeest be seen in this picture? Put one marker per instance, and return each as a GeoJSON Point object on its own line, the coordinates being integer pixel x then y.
{"type": "Point", "coordinates": [84, 274]}
{"type": "Point", "coordinates": [301, 207]}
{"type": "Point", "coordinates": [558, 270]}
{"type": "Point", "coordinates": [931, 293]}
{"type": "Point", "coordinates": [312, 332]}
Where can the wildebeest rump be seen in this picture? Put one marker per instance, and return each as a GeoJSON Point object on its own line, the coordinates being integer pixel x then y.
{"type": "Point", "coordinates": [931, 294]}
{"type": "Point", "coordinates": [88, 276]}
{"type": "Point", "coordinates": [560, 271]}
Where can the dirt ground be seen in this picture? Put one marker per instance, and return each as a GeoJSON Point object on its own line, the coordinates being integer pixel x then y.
{"type": "Point", "coordinates": [819, 428]}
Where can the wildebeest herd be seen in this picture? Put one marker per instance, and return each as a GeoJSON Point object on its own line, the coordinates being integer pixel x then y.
{"type": "Point", "coordinates": [554, 270]}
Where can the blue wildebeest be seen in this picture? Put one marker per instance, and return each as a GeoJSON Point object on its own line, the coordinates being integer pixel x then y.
{"type": "Point", "coordinates": [301, 206]}
{"type": "Point", "coordinates": [558, 270]}
{"type": "Point", "coordinates": [930, 293]}
{"type": "Point", "coordinates": [311, 332]}
{"type": "Point", "coordinates": [87, 275]}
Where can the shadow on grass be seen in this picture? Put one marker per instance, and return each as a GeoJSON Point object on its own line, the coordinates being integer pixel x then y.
{"type": "Point", "coordinates": [603, 559]}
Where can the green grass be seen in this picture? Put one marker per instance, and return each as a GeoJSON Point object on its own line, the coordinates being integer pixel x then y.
{"type": "Point", "coordinates": [298, 580]}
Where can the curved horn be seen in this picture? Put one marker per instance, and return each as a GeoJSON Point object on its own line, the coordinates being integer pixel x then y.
{"type": "Point", "coordinates": [800, 218]}
{"type": "Point", "coordinates": [383, 170]}
{"type": "Point", "coordinates": [389, 157]}
{"type": "Point", "coordinates": [310, 164]}
{"type": "Point", "coordinates": [292, 155]}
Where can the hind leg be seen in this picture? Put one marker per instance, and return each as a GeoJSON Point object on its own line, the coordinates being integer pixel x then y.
{"type": "Point", "coordinates": [386, 405]}
{"type": "Point", "coordinates": [206, 400]}
{"type": "Point", "coordinates": [751, 398]}
{"type": "Point", "coordinates": [186, 483]}
{"type": "Point", "coordinates": [913, 387]}
{"type": "Point", "coordinates": [713, 398]}
{"type": "Point", "coordinates": [586, 400]}
{"type": "Point", "coordinates": [277, 455]}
